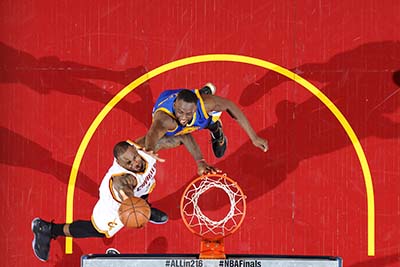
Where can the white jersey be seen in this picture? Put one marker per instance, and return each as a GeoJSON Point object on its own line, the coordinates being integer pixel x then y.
{"type": "Point", "coordinates": [105, 216]}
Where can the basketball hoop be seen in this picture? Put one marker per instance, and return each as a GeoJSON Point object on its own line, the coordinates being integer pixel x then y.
{"type": "Point", "coordinates": [212, 231]}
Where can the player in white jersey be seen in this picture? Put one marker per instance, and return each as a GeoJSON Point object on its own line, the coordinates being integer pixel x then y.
{"type": "Point", "coordinates": [132, 174]}
{"type": "Point", "coordinates": [105, 213]}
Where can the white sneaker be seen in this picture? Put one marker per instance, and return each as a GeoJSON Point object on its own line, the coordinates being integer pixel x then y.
{"type": "Point", "coordinates": [208, 89]}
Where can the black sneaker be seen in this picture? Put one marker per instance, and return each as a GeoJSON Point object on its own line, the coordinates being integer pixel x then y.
{"type": "Point", "coordinates": [219, 141]}
{"type": "Point", "coordinates": [158, 216]}
{"type": "Point", "coordinates": [208, 89]}
{"type": "Point", "coordinates": [41, 240]}
{"type": "Point", "coordinates": [112, 251]}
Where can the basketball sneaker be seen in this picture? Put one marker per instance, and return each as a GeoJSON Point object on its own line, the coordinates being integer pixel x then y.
{"type": "Point", "coordinates": [158, 217]}
{"type": "Point", "coordinates": [41, 238]}
{"type": "Point", "coordinates": [208, 89]}
{"type": "Point", "coordinates": [218, 139]}
{"type": "Point", "coordinates": [112, 251]}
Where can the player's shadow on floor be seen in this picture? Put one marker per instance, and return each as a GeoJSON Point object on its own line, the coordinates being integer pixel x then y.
{"type": "Point", "coordinates": [49, 73]}
{"type": "Point", "coordinates": [396, 77]}
{"type": "Point", "coordinates": [360, 82]}
{"type": "Point", "coordinates": [22, 152]}
{"type": "Point", "coordinates": [158, 245]}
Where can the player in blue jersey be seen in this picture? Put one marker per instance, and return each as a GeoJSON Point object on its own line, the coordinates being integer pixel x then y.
{"type": "Point", "coordinates": [177, 113]}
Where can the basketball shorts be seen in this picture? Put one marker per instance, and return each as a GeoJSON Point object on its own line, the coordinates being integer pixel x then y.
{"type": "Point", "coordinates": [105, 218]}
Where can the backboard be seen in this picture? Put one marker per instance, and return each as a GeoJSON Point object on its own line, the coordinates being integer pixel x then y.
{"type": "Point", "coordinates": [192, 260]}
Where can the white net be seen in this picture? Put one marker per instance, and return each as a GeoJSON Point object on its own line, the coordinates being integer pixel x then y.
{"type": "Point", "coordinates": [195, 218]}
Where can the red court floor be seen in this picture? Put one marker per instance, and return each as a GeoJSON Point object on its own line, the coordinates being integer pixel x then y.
{"type": "Point", "coordinates": [312, 193]}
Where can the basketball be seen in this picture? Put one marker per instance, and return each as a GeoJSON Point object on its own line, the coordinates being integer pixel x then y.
{"type": "Point", "coordinates": [134, 212]}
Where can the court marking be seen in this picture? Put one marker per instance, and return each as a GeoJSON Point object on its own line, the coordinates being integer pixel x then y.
{"type": "Point", "coordinates": [229, 58]}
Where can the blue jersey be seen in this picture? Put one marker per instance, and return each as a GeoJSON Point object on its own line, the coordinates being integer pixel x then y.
{"type": "Point", "coordinates": [201, 119]}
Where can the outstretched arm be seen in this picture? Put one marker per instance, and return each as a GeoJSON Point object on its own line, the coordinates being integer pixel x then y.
{"type": "Point", "coordinates": [202, 166]}
{"type": "Point", "coordinates": [189, 142]}
{"type": "Point", "coordinates": [216, 103]}
{"type": "Point", "coordinates": [124, 184]}
{"type": "Point", "coordinates": [161, 124]}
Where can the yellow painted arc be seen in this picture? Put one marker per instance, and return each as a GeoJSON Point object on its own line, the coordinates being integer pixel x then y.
{"type": "Point", "coordinates": [230, 58]}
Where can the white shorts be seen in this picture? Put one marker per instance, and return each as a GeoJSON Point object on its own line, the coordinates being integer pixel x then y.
{"type": "Point", "coordinates": [105, 218]}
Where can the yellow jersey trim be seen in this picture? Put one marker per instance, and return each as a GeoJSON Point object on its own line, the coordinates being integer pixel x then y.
{"type": "Point", "coordinates": [203, 107]}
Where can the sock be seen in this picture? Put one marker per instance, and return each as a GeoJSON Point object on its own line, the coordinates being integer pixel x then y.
{"type": "Point", "coordinates": [57, 230]}
{"type": "Point", "coordinates": [83, 229]}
